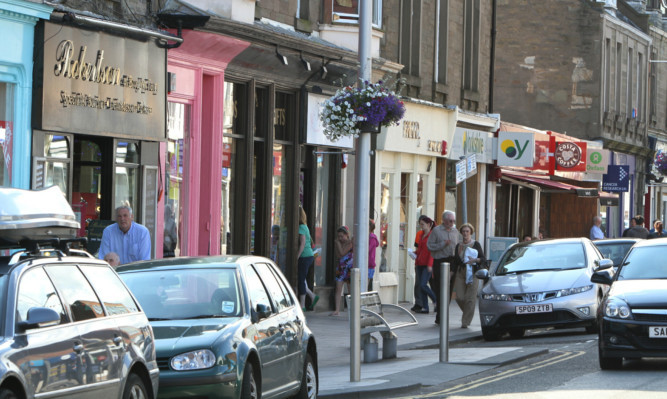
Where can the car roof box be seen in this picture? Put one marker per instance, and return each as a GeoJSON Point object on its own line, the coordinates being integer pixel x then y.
{"type": "Point", "coordinates": [35, 215]}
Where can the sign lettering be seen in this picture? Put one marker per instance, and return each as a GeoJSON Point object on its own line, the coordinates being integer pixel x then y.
{"type": "Point", "coordinates": [411, 130]}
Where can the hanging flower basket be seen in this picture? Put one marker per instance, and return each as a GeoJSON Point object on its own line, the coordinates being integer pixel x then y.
{"type": "Point", "coordinates": [353, 110]}
{"type": "Point", "coordinates": [660, 162]}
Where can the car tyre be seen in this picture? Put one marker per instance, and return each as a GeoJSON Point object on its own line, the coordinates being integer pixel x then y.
{"type": "Point", "coordinates": [135, 388]}
{"type": "Point", "coordinates": [6, 393]}
{"type": "Point", "coordinates": [608, 363]}
{"type": "Point", "coordinates": [517, 333]}
{"type": "Point", "coordinates": [490, 334]}
{"type": "Point", "coordinates": [249, 387]}
{"type": "Point", "coordinates": [308, 388]}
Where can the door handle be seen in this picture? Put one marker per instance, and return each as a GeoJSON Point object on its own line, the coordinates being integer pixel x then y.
{"type": "Point", "coordinates": [78, 348]}
{"type": "Point", "coordinates": [118, 340]}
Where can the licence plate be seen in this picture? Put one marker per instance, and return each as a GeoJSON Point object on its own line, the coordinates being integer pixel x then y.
{"type": "Point", "coordinates": [541, 308]}
{"type": "Point", "coordinates": [657, 332]}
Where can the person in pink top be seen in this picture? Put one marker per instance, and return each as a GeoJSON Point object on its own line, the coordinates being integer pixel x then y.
{"type": "Point", "coordinates": [373, 243]}
{"type": "Point", "coordinates": [424, 267]}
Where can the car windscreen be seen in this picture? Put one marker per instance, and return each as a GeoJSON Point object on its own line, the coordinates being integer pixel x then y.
{"type": "Point", "coordinates": [645, 263]}
{"type": "Point", "coordinates": [185, 293]}
{"type": "Point", "coordinates": [542, 257]}
{"type": "Point", "coordinates": [614, 251]}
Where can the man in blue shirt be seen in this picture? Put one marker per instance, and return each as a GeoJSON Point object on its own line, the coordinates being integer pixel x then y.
{"type": "Point", "coordinates": [596, 231]}
{"type": "Point", "coordinates": [131, 241]}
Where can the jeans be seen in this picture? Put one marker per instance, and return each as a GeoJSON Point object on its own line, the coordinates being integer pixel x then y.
{"type": "Point", "coordinates": [304, 264]}
{"type": "Point", "coordinates": [425, 291]}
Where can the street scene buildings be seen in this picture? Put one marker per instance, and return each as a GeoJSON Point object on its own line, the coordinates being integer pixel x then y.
{"type": "Point", "coordinates": [523, 117]}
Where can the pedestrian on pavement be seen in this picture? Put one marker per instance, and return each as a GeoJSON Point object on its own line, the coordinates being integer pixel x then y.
{"type": "Point", "coordinates": [633, 223]}
{"type": "Point", "coordinates": [657, 231]}
{"type": "Point", "coordinates": [442, 242]}
{"type": "Point", "coordinates": [469, 258]}
{"type": "Point", "coordinates": [343, 245]}
{"type": "Point", "coordinates": [638, 231]}
{"type": "Point", "coordinates": [596, 231]}
{"type": "Point", "coordinates": [413, 255]}
{"type": "Point", "coordinates": [373, 243]}
{"type": "Point", "coordinates": [305, 260]}
{"type": "Point", "coordinates": [526, 237]}
{"type": "Point", "coordinates": [130, 240]}
{"type": "Point", "coordinates": [424, 267]}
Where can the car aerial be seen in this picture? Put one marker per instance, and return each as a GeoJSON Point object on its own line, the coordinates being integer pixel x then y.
{"type": "Point", "coordinates": [538, 284]}
{"type": "Point", "coordinates": [70, 327]}
{"type": "Point", "coordinates": [615, 248]}
{"type": "Point", "coordinates": [225, 326]}
{"type": "Point", "coordinates": [633, 313]}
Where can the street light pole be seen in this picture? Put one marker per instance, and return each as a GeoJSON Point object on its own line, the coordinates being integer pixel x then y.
{"type": "Point", "coordinates": [362, 197]}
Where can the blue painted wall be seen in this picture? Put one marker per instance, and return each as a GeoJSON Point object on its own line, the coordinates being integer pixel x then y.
{"type": "Point", "coordinates": [17, 30]}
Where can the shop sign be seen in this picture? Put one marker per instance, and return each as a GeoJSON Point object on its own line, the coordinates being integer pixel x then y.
{"type": "Point", "coordinates": [470, 141]}
{"type": "Point", "coordinates": [97, 83]}
{"type": "Point", "coordinates": [616, 179]}
{"type": "Point", "coordinates": [315, 129]}
{"type": "Point", "coordinates": [515, 149]}
{"type": "Point", "coordinates": [598, 160]}
{"type": "Point", "coordinates": [424, 130]}
{"type": "Point", "coordinates": [570, 156]}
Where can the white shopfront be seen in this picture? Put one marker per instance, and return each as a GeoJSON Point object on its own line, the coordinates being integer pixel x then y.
{"type": "Point", "coordinates": [406, 183]}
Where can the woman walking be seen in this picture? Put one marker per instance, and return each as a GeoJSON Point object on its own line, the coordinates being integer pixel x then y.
{"type": "Point", "coordinates": [306, 259]}
{"type": "Point", "coordinates": [469, 258]}
{"type": "Point", "coordinates": [424, 267]}
{"type": "Point", "coordinates": [344, 246]}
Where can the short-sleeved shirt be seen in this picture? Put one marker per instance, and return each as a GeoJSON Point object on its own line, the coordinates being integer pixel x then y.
{"type": "Point", "coordinates": [308, 248]}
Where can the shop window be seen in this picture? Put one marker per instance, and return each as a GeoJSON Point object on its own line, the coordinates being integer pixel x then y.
{"type": "Point", "coordinates": [323, 196]}
{"type": "Point", "coordinates": [261, 112]}
{"type": "Point", "coordinates": [178, 128]}
{"type": "Point", "coordinates": [6, 132]}
{"type": "Point", "coordinates": [283, 117]}
{"type": "Point", "coordinates": [279, 211]}
{"type": "Point", "coordinates": [127, 175]}
{"type": "Point", "coordinates": [385, 212]}
{"type": "Point", "coordinates": [87, 184]}
{"type": "Point", "coordinates": [53, 170]}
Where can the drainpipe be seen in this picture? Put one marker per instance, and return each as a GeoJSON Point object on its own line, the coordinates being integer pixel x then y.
{"type": "Point", "coordinates": [493, 55]}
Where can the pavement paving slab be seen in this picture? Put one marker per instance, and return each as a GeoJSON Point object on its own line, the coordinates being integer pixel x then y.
{"type": "Point", "coordinates": [418, 359]}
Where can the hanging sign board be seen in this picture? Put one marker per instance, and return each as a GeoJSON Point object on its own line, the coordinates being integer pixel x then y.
{"type": "Point", "coordinates": [516, 149]}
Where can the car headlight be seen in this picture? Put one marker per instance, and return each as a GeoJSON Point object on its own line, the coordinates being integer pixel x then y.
{"type": "Point", "coordinates": [195, 360]}
{"type": "Point", "coordinates": [617, 309]}
{"type": "Point", "coordinates": [573, 291]}
{"type": "Point", "coordinates": [497, 297]}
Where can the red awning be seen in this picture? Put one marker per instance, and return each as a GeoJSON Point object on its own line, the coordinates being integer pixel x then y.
{"type": "Point", "coordinates": [544, 181]}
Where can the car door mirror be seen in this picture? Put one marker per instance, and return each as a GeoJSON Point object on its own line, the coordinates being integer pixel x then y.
{"type": "Point", "coordinates": [603, 264]}
{"type": "Point", "coordinates": [262, 311]}
{"type": "Point", "coordinates": [602, 276]}
{"type": "Point", "coordinates": [39, 318]}
{"type": "Point", "coordinates": [482, 274]}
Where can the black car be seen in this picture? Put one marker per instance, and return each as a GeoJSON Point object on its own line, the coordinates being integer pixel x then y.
{"type": "Point", "coordinates": [633, 314]}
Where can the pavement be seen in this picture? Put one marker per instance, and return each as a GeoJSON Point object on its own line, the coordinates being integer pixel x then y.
{"type": "Point", "coordinates": [418, 359]}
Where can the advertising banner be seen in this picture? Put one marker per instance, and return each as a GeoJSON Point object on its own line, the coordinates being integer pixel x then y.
{"type": "Point", "coordinates": [598, 160]}
{"type": "Point", "coordinates": [616, 179]}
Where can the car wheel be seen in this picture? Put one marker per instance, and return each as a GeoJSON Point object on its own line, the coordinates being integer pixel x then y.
{"type": "Point", "coordinates": [249, 389]}
{"type": "Point", "coordinates": [308, 380]}
{"type": "Point", "coordinates": [490, 334]}
{"type": "Point", "coordinates": [6, 393]}
{"type": "Point", "coordinates": [517, 333]}
{"type": "Point", "coordinates": [135, 388]}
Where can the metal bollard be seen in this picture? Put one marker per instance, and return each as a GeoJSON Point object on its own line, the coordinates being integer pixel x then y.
{"type": "Point", "coordinates": [444, 313]}
{"type": "Point", "coordinates": [355, 325]}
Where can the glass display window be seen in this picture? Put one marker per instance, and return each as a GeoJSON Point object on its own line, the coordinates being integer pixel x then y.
{"type": "Point", "coordinates": [6, 132]}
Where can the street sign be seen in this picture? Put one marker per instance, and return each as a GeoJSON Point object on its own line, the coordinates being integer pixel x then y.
{"type": "Point", "coordinates": [466, 168]}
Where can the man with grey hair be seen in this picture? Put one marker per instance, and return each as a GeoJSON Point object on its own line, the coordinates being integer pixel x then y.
{"type": "Point", "coordinates": [131, 241]}
{"type": "Point", "coordinates": [441, 243]}
{"type": "Point", "coordinates": [596, 231]}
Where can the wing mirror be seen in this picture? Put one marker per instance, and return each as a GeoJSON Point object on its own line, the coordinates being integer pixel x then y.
{"type": "Point", "coordinates": [482, 274]}
{"type": "Point", "coordinates": [262, 311]}
{"type": "Point", "coordinates": [603, 264]}
{"type": "Point", "coordinates": [39, 318]}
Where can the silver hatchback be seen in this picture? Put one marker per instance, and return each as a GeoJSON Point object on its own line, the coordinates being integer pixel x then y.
{"type": "Point", "coordinates": [540, 284]}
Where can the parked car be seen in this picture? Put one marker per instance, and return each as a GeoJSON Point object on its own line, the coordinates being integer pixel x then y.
{"type": "Point", "coordinates": [540, 284]}
{"type": "Point", "coordinates": [225, 326]}
{"type": "Point", "coordinates": [633, 314]}
{"type": "Point", "coordinates": [70, 328]}
{"type": "Point", "coordinates": [615, 248]}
